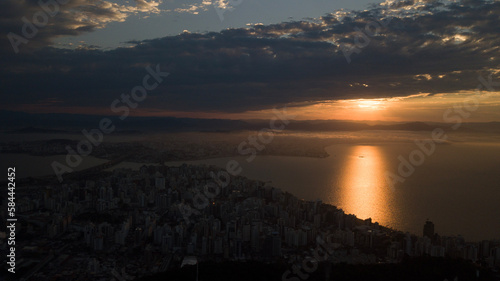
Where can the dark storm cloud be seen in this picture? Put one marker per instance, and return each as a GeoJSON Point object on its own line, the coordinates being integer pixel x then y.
{"type": "Point", "coordinates": [427, 46]}
{"type": "Point", "coordinates": [40, 21]}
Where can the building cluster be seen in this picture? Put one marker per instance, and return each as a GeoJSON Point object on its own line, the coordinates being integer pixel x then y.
{"type": "Point", "coordinates": [135, 223]}
{"type": "Point", "coordinates": [486, 253]}
{"type": "Point", "coordinates": [54, 147]}
{"type": "Point", "coordinates": [156, 151]}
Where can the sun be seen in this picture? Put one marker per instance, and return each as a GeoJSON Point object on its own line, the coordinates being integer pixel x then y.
{"type": "Point", "coordinates": [369, 104]}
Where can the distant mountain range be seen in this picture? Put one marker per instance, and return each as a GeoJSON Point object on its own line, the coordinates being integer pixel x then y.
{"type": "Point", "coordinates": [60, 123]}
{"type": "Point", "coordinates": [33, 130]}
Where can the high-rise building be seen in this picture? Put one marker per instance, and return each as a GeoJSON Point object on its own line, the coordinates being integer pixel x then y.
{"type": "Point", "coordinates": [276, 244]}
{"type": "Point", "coordinates": [429, 229]}
{"type": "Point", "coordinates": [407, 244]}
{"type": "Point", "coordinates": [159, 181]}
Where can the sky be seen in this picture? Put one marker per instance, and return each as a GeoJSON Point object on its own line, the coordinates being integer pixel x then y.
{"type": "Point", "coordinates": [412, 60]}
{"type": "Point", "coordinates": [170, 18]}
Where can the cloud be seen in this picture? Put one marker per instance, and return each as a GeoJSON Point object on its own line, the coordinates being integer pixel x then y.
{"type": "Point", "coordinates": [64, 18]}
{"type": "Point", "coordinates": [195, 8]}
{"type": "Point", "coordinates": [227, 4]}
{"type": "Point", "coordinates": [263, 66]}
{"type": "Point", "coordinates": [147, 7]}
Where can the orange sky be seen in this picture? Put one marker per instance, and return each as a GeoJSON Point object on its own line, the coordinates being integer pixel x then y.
{"type": "Point", "coordinates": [421, 107]}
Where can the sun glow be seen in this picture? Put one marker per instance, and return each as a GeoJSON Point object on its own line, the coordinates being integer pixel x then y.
{"type": "Point", "coordinates": [420, 106]}
{"type": "Point", "coordinates": [369, 104]}
{"type": "Point", "coordinates": [364, 188]}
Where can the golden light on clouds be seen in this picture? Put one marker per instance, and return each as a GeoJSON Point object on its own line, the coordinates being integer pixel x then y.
{"type": "Point", "coordinates": [370, 104]}
{"type": "Point", "coordinates": [418, 107]}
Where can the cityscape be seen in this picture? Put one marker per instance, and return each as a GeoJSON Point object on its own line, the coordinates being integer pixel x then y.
{"type": "Point", "coordinates": [134, 223]}
{"type": "Point", "coordinates": [263, 140]}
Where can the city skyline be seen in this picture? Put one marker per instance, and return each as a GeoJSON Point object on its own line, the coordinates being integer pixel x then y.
{"type": "Point", "coordinates": [250, 140]}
